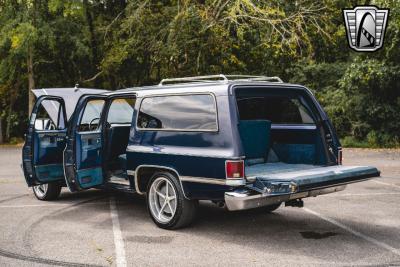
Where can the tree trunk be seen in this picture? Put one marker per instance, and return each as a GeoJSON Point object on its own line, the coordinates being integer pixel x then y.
{"type": "Point", "coordinates": [31, 80]}
{"type": "Point", "coordinates": [93, 42]}
{"type": "Point", "coordinates": [1, 131]}
{"type": "Point", "coordinates": [8, 125]}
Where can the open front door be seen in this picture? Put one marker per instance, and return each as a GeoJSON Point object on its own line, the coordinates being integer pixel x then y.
{"type": "Point", "coordinates": [44, 142]}
{"type": "Point", "coordinates": [83, 156]}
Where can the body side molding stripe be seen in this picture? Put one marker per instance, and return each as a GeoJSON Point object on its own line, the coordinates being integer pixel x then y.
{"type": "Point", "coordinates": [203, 180]}
{"type": "Point", "coordinates": [129, 149]}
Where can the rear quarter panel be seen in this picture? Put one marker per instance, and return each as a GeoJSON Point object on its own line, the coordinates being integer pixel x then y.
{"type": "Point", "coordinates": [190, 154]}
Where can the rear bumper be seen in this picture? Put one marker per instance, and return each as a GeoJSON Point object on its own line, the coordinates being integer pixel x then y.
{"type": "Point", "coordinates": [243, 199]}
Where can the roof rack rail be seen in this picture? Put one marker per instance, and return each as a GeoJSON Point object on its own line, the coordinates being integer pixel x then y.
{"type": "Point", "coordinates": [238, 77]}
{"type": "Point", "coordinates": [220, 78]}
{"type": "Point", "coordinates": [206, 78]}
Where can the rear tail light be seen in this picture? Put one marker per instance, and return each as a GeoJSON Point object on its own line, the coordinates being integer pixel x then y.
{"type": "Point", "coordinates": [234, 169]}
{"type": "Point", "coordinates": [340, 156]}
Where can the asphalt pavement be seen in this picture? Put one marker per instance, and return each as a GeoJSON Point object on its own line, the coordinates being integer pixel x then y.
{"type": "Point", "coordinates": [356, 227]}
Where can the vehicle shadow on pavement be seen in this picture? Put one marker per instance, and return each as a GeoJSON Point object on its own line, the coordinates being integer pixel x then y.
{"type": "Point", "coordinates": [287, 230]}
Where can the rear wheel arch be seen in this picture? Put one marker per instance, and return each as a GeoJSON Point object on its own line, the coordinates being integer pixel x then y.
{"type": "Point", "coordinates": [144, 173]}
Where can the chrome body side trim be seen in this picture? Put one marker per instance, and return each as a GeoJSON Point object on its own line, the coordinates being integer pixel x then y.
{"type": "Point", "coordinates": [205, 180]}
{"type": "Point", "coordinates": [242, 200]}
{"type": "Point", "coordinates": [191, 179]}
{"type": "Point", "coordinates": [140, 149]}
{"type": "Point", "coordinates": [294, 126]}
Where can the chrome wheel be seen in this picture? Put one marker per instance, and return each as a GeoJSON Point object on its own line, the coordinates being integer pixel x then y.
{"type": "Point", "coordinates": [162, 200]}
{"type": "Point", "coordinates": [41, 190]}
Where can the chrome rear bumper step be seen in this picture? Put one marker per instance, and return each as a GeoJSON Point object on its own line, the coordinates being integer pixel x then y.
{"type": "Point", "coordinates": [246, 199]}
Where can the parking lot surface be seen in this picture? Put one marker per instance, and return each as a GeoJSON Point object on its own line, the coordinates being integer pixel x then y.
{"type": "Point", "coordinates": [356, 227]}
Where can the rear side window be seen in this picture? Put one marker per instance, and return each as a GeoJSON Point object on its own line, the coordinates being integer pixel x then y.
{"type": "Point", "coordinates": [178, 112]}
{"type": "Point", "coordinates": [277, 109]}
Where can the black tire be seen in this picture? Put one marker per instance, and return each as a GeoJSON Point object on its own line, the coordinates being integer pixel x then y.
{"type": "Point", "coordinates": [271, 208]}
{"type": "Point", "coordinates": [51, 192]}
{"type": "Point", "coordinates": [185, 209]}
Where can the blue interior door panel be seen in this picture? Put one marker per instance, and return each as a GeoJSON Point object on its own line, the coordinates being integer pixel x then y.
{"type": "Point", "coordinates": [89, 159]}
{"type": "Point", "coordinates": [47, 157]}
{"type": "Point", "coordinates": [42, 153]}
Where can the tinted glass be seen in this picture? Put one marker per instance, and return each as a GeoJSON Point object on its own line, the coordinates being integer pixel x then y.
{"type": "Point", "coordinates": [186, 112]}
{"type": "Point", "coordinates": [277, 109]}
{"type": "Point", "coordinates": [91, 116]}
{"type": "Point", "coordinates": [121, 111]}
{"type": "Point", "coordinates": [49, 116]}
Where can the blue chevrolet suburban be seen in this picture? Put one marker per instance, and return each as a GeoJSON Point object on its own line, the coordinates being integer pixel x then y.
{"type": "Point", "coordinates": [242, 142]}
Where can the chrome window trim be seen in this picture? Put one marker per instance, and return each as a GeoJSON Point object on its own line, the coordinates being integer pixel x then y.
{"type": "Point", "coordinates": [176, 129]}
{"type": "Point", "coordinates": [51, 164]}
{"type": "Point", "coordinates": [128, 124]}
{"type": "Point", "coordinates": [90, 132]}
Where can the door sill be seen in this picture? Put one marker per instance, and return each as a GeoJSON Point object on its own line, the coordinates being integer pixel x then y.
{"type": "Point", "coordinates": [119, 187]}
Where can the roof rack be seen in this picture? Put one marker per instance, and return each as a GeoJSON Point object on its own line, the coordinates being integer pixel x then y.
{"type": "Point", "coordinates": [254, 78]}
{"type": "Point", "coordinates": [220, 78]}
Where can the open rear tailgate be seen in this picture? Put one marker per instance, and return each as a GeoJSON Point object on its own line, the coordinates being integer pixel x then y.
{"type": "Point", "coordinates": [274, 183]}
{"type": "Point", "coordinates": [307, 177]}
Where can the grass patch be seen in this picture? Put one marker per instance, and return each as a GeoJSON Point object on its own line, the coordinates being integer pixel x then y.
{"type": "Point", "coordinates": [369, 142]}
{"type": "Point", "coordinates": [350, 141]}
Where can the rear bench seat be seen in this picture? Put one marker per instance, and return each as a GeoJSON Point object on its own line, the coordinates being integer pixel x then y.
{"type": "Point", "coordinates": [259, 147]}
{"type": "Point", "coordinates": [255, 136]}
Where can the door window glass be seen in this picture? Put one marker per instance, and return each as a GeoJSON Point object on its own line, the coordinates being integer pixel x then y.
{"type": "Point", "coordinates": [121, 111]}
{"type": "Point", "coordinates": [91, 115]}
{"type": "Point", "coordinates": [49, 116]}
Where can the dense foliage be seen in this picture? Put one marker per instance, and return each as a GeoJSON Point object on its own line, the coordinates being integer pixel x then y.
{"type": "Point", "coordinates": [114, 44]}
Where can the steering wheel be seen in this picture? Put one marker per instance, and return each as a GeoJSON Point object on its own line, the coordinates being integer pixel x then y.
{"type": "Point", "coordinates": [50, 125]}
{"type": "Point", "coordinates": [90, 123]}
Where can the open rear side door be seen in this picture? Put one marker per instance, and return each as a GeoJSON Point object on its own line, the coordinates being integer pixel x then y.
{"type": "Point", "coordinates": [83, 155]}
{"type": "Point", "coordinates": [44, 142]}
